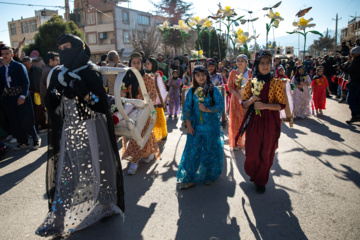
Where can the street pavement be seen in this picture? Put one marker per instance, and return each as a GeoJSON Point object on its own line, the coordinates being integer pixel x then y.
{"type": "Point", "coordinates": [313, 191]}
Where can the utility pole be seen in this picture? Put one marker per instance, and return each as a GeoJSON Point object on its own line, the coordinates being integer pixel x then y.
{"type": "Point", "coordinates": [336, 27]}
{"type": "Point", "coordinates": [67, 10]}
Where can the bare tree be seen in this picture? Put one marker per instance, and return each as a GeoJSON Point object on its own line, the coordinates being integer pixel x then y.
{"type": "Point", "coordinates": [145, 39]}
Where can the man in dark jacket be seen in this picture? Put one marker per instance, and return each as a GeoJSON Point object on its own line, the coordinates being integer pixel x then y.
{"type": "Point", "coordinates": [289, 67]}
{"type": "Point", "coordinates": [345, 50]}
{"type": "Point", "coordinates": [328, 71]}
{"type": "Point", "coordinates": [354, 90]}
{"type": "Point", "coordinates": [14, 80]}
{"type": "Point", "coordinates": [34, 74]}
{"type": "Point", "coordinates": [51, 61]}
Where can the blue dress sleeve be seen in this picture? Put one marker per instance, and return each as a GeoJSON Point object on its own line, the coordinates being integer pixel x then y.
{"type": "Point", "coordinates": [219, 102]}
{"type": "Point", "coordinates": [187, 112]}
{"type": "Point", "coordinates": [25, 83]}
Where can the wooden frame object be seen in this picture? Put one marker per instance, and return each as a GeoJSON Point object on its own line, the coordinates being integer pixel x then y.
{"type": "Point", "coordinates": [132, 128]}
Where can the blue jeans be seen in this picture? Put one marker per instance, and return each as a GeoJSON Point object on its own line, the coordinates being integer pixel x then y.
{"type": "Point", "coordinates": [354, 99]}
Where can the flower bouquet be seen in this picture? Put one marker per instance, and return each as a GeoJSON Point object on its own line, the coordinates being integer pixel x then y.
{"type": "Point", "coordinates": [256, 89]}
{"type": "Point", "coordinates": [238, 82]}
{"type": "Point", "coordinates": [201, 97]}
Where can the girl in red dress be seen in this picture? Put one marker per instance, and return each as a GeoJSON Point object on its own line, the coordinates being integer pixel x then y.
{"type": "Point", "coordinates": [319, 86]}
{"type": "Point", "coordinates": [262, 129]}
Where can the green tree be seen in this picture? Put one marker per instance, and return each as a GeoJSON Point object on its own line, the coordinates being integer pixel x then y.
{"type": "Point", "coordinates": [48, 33]}
{"type": "Point", "coordinates": [324, 42]}
{"type": "Point", "coordinates": [173, 10]}
{"type": "Point", "coordinates": [215, 46]}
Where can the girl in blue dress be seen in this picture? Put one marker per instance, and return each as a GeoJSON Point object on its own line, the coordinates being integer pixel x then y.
{"type": "Point", "coordinates": [202, 159]}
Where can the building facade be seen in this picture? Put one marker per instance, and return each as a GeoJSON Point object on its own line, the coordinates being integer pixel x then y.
{"type": "Point", "coordinates": [352, 31]}
{"type": "Point", "coordinates": [131, 26]}
{"type": "Point", "coordinates": [95, 18]}
{"type": "Point", "coordinates": [28, 27]}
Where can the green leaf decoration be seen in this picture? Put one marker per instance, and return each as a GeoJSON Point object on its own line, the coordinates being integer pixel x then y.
{"type": "Point", "coordinates": [238, 18]}
{"type": "Point", "coordinates": [316, 32]}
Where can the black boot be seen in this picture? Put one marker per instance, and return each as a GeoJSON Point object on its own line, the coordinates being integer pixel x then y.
{"type": "Point", "coordinates": [260, 189]}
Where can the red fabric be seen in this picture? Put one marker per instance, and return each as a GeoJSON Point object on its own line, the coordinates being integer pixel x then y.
{"type": "Point", "coordinates": [261, 142]}
{"type": "Point", "coordinates": [115, 119]}
{"type": "Point", "coordinates": [319, 86]}
{"type": "Point", "coordinates": [160, 73]}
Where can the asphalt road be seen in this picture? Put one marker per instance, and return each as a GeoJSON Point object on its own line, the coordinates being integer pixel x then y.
{"type": "Point", "coordinates": [313, 192]}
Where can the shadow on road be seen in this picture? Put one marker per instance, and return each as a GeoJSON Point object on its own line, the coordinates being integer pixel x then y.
{"type": "Point", "coordinates": [171, 124]}
{"type": "Point", "coordinates": [10, 180]}
{"type": "Point", "coordinates": [318, 127]}
{"type": "Point", "coordinates": [350, 175]}
{"type": "Point", "coordinates": [291, 132]}
{"type": "Point", "coordinates": [204, 210]}
{"type": "Point", "coordinates": [272, 210]}
{"type": "Point", "coordinates": [339, 124]}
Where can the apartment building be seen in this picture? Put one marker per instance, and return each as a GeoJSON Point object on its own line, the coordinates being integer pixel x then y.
{"type": "Point", "coordinates": [107, 26]}
{"type": "Point", "coordinates": [131, 25]}
{"type": "Point", "coordinates": [28, 27]}
{"type": "Point", "coordinates": [352, 31]}
{"type": "Point", "coordinates": [95, 18]}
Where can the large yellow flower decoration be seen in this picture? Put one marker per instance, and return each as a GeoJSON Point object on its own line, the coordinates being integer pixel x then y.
{"type": "Point", "coordinates": [303, 23]}
{"type": "Point", "coordinates": [227, 11]}
{"type": "Point", "coordinates": [242, 38]}
{"type": "Point", "coordinates": [182, 27]}
{"type": "Point", "coordinates": [164, 26]}
{"type": "Point", "coordinates": [275, 16]}
{"type": "Point", "coordinates": [197, 21]}
{"type": "Point", "coordinates": [208, 25]}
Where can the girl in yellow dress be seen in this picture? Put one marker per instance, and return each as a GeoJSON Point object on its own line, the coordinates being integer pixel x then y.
{"type": "Point", "coordinates": [160, 128]}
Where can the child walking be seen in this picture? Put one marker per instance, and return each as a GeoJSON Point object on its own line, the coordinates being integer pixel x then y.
{"type": "Point", "coordinates": [202, 159]}
{"type": "Point", "coordinates": [319, 86]}
{"type": "Point", "coordinates": [174, 95]}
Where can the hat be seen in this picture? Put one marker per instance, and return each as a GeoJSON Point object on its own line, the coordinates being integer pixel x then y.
{"type": "Point", "coordinates": [243, 56]}
{"type": "Point", "coordinates": [355, 50]}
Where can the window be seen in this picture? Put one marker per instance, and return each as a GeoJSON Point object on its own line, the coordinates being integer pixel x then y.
{"type": "Point", "coordinates": [24, 27]}
{"type": "Point", "coordinates": [125, 17]}
{"type": "Point", "coordinates": [13, 29]}
{"type": "Point", "coordinates": [33, 26]}
{"type": "Point", "coordinates": [91, 38]}
{"type": "Point", "coordinates": [90, 18]}
{"type": "Point", "coordinates": [144, 20]}
{"type": "Point", "coordinates": [126, 37]}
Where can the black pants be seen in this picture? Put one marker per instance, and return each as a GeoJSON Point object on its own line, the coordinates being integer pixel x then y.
{"type": "Point", "coordinates": [21, 119]}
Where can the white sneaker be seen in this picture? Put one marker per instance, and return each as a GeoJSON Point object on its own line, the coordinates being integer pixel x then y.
{"type": "Point", "coordinates": [22, 146]}
{"type": "Point", "coordinates": [37, 144]}
{"type": "Point", "coordinates": [149, 158]}
{"type": "Point", "coordinates": [132, 169]}
{"type": "Point", "coordinates": [13, 140]}
{"type": "Point", "coordinates": [8, 138]}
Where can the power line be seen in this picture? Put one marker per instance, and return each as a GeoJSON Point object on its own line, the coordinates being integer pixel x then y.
{"type": "Point", "coordinates": [32, 5]}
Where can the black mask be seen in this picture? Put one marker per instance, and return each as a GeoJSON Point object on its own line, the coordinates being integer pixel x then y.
{"type": "Point", "coordinates": [73, 58]}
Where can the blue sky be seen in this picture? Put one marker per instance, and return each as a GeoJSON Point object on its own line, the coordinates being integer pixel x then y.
{"type": "Point", "coordinates": [323, 11]}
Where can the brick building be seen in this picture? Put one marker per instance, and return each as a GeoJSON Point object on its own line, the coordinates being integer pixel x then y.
{"type": "Point", "coordinates": [28, 27]}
